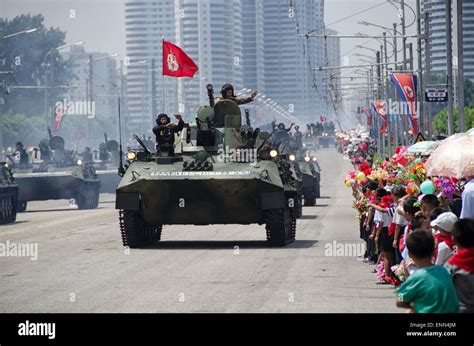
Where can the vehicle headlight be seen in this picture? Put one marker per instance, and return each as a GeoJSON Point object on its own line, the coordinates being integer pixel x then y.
{"type": "Point", "coordinates": [315, 159]}
{"type": "Point", "coordinates": [292, 157]}
{"type": "Point", "coordinates": [307, 158]}
{"type": "Point", "coordinates": [273, 153]}
{"type": "Point", "coordinates": [131, 155]}
{"type": "Point", "coordinates": [79, 162]}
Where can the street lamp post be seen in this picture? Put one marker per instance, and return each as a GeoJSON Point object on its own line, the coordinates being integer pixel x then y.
{"type": "Point", "coordinates": [50, 54]}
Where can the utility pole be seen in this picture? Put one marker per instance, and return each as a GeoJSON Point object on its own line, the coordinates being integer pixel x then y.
{"type": "Point", "coordinates": [460, 48]}
{"type": "Point", "coordinates": [449, 64]}
{"type": "Point", "coordinates": [91, 99]}
{"type": "Point", "coordinates": [386, 96]}
{"type": "Point", "coordinates": [381, 97]}
{"type": "Point", "coordinates": [404, 39]}
{"type": "Point", "coordinates": [122, 89]}
{"type": "Point", "coordinates": [395, 116]}
{"type": "Point", "coordinates": [153, 88]}
{"type": "Point", "coordinates": [428, 72]}
{"type": "Point", "coordinates": [421, 90]}
{"type": "Point", "coordinates": [377, 130]}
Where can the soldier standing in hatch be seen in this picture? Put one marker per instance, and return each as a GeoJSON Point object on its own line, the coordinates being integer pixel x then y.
{"type": "Point", "coordinates": [24, 158]}
{"type": "Point", "coordinates": [298, 136]}
{"type": "Point", "coordinates": [164, 132]}
{"type": "Point", "coordinates": [227, 93]}
{"type": "Point", "coordinates": [87, 155]}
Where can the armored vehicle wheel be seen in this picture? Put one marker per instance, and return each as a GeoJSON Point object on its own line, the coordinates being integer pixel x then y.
{"type": "Point", "coordinates": [318, 190]}
{"type": "Point", "coordinates": [88, 198]}
{"type": "Point", "coordinates": [7, 208]}
{"type": "Point", "coordinates": [309, 198]}
{"type": "Point", "coordinates": [21, 206]}
{"type": "Point", "coordinates": [136, 232]}
{"type": "Point", "coordinates": [281, 227]}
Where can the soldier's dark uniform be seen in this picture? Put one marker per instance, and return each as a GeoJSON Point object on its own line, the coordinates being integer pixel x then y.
{"type": "Point", "coordinates": [239, 101]}
{"type": "Point", "coordinates": [165, 134]}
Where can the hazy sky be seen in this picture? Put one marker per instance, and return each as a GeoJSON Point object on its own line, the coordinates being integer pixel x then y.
{"type": "Point", "coordinates": [100, 23]}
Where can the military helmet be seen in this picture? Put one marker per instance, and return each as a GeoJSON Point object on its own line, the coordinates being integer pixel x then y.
{"type": "Point", "coordinates": [162, 115]}
{"type": "Point", "coordinates": [226, 87]}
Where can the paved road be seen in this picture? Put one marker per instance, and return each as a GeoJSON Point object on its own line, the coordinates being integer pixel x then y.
{"type": "Point", "coordinates": [82, 266]}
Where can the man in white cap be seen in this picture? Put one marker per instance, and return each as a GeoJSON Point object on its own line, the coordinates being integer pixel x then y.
{"type": "Point", "coordinates": [444, 224]}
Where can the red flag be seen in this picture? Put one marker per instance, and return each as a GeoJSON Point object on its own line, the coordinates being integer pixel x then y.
{"type": "Point", "coordinates": [369, 116]}
{"type": "Point", "coordinates": [58, 118]}
{"type": "Point", "coordinates": [176, 63]}
{"type": "Point", "coordinates": [407, 87]}
{"type": "Point", "coordinates": [379, 108]}
{"type": "Point", "coordinates": [322, 118]}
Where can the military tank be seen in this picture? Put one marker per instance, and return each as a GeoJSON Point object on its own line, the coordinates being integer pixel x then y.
{"type": "Point", "coordinates": [56, 173]}
{"type": "Point", "coordinates": [221, 173]}
{"type": "Point", "coordinates": [310, 174]}
{"type": "Point", "coordinates": [8, 195]}
{"type": "Point", "coordinates": [105, 161]}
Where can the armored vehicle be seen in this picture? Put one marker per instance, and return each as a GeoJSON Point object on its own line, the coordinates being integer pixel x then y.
{"type": "Point", "coordinates": [8, 195]}
{"type": "Point", "coordinates": [105, 162]}
{"type": "Point", "coordinates": [56, 173]}
{"type": "Point", "coordinates": [221, 173]}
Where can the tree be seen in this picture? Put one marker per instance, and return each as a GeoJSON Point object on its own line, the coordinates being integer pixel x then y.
{"type": "Point", "coordinates": [26, 56]}
{"type": "Point", "coordinates": [440, 122]}
{"type": "Point", "coordinates": [19, 127]}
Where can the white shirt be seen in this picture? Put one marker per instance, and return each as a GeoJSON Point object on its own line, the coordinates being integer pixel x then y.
{"type": "Point", "coordinates": [399, 219]}
{"type": "Point", "coordinates": [385, 218]}
{"type": "Point", "coordinates": [444, 253]}
{"type": "Point", "coordinates": [467, 211]}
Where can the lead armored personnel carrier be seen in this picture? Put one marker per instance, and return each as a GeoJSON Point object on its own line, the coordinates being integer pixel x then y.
{"type": "Point", "coordinates": [221, 173]}
{"type": "Point", "coordinates": [8, 195]}
{"type": "Point", "coordinates": [55, 173]}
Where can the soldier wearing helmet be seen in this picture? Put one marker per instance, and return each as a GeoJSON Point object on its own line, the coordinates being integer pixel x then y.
{"type": "Point", "coordinates": [227, 93]}
{"type": "Point", "coordinates": [164, 132]}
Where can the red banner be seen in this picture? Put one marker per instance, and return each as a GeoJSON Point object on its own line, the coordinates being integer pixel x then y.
{"type": "Point", "coordinates": [406, 85]}
{"type": "Point", "coordinates": [177, 63]}
{"type": "Point", "coordinates": [369, 116]}
{"type": "Point", "coordinates": [379, 108]}
{"type": "Point", "coordinates": [58, 118]}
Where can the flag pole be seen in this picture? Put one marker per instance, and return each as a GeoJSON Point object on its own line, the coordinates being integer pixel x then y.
{"type": "Point", "coordinates": [162, 77]}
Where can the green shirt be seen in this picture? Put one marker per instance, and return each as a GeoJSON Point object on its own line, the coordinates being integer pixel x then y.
{"type": "Point", "coordinates": [431, 290]}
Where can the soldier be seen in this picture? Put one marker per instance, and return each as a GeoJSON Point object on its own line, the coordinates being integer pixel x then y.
{"type": "Point", "coordinates": [87, 155]}
{"type": "Point", "coordinates": [164, 132]}
{"type": "Point", "coordinates": [44, 151]}
{"type": "Point", "coordinates": [281, 127]}
{"type": "Point", "coordinates": [24, 158]}
{"type": "Point", "coordinates": [299, 137]}
{"type": "Point", "coordinates": [227, 93]}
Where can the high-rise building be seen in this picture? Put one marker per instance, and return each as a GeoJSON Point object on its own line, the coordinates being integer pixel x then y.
{"type": "Point", "coordinates": [210, 32]}
{"type": "Point", "coordinates": [146, 23]}
{"type": "Point", "coordinates": [437, 36]}
{"type": "Point", "coordinates": [332, 81]}
{"type": "Point", "coordinates": [290, 57]}
{"type": "Point", "coordinates": [101, 85]}
{"type": "Point", "coordinates": [251, 44]}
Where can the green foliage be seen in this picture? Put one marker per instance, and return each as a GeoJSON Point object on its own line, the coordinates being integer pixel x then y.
{"type": "Point", "coordinates": [440, 122]}
{"type": "Point", "coordinates": [19, 127]}
{"type": "Point", "coordinates": [27, 56]}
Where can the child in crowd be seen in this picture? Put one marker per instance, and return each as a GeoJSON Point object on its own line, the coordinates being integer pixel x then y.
{"type": "Point", "coordinates": [428, 203]}
{"type": "Point", "coordinates": [383, 218]}
{"type": "Point", "coordinates": [461, 265]}
{"type": "Point", "coordinates": [430, 288]}
{"type": "Point", "coordinates": [371, 255]}
{"type": "Point", "coordinates": [437, 212]}
{"type": "Point", "coordinates": [410, 210]}
{"type": "Point", "coordinates": [398, 220]}
{"type": "Point", "coordinates": [444, 246]}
